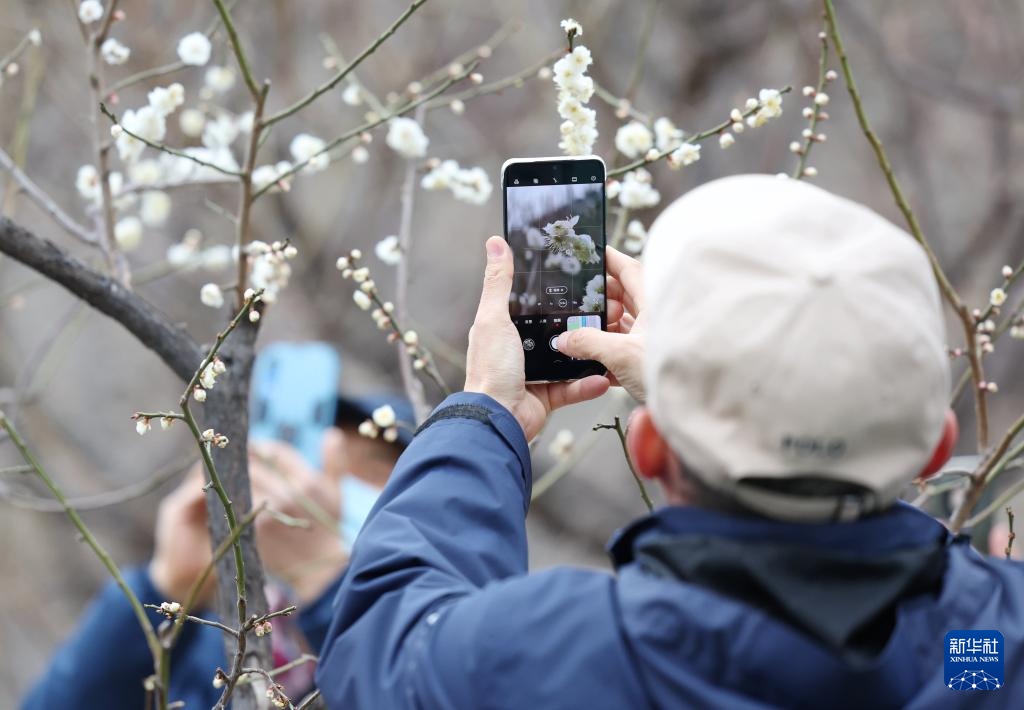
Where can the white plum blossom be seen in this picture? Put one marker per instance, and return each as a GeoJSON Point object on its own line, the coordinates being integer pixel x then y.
{"type": "Point", "coordinates": [568, 263]}
{"type": "Point", "coordinates": [217, 257]}
{"type": "Point", "coordinates": [35, 37]}
{"type": "Point", "coordinates": [636, 237]}
{"type": "Point", "coordinates": [389, 250]}
{"type": "Point", "coordinates": [156, 208]}
{"type": "Point", "coordinates": [128, 233]}
{"type": "Point", "coordinates": [221, 132]}
{"type": "Point", "coordinates": [194, 49]}
{"type": "Point", "coordinates": [384, 416]}
{"type": "Point", "coordinates": [768, 104]}
{"type": "Point", "coordinates": [636, 191]}
{"type": "Point", "coordinates": [360, 154]}
{"type": "Point", "coordinates": [305, 147]}
{"type": "Point", "coordinates": [686, 154]}
{"type": "Point", "coordinates": [165, 100]}
{"type": "Point", "coordinates": [997, 297]}
{"type": "Point", "coordinates": [579, 127]}
{"type": "Point", "coordinates": [666, 135]}
{"type": "Point", "coordinates": [470, 185]}
{"type": "Point", "coordinates": [268, 269]}
{"type": "Point", "coordinates": [142, 425]}
{"type": "Point", "coordinates": [87, 182]}
{"type": "Point", "coordinates": [145, 172]}
{"type": "Point", "coordinates": [406, 137]}
{"type": "Point", "coordinates": [177, 169]}
{"type": "Point", "coordinates": [89, 11]}
{"type": "Point", "coordinates": [269, 174]}
{"type": "Point", "coordinates": [211, 295]}
{"type": "Point", "coordinates": [633, 139]}
{"type": "Point", "coordinates": [561, 444]}
{"type": "Point", "coordinates": [726, 140]}
{"type": "Point", "coordinates": [191, 122]}
{"type": "Point", "coordinates": [219, 79]}
{"type": "Point", "coordinates": [352, 95]}
{"type": "Point", "coordinates": [571, 26]}
{"type": "Point", "coordinates": [593, 298]}
{"type": "Point", "coordinates": [145, 122]}
{"type": "Point", "coordinates": [561, 238]}
{"type": "Point", "coordinates": [113, 52]}
{"type": "Point", "coordinates": [362, 300]}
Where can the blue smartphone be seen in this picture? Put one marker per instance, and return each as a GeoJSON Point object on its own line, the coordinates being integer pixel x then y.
{"type": "Point", "coordinates": [294, 396]}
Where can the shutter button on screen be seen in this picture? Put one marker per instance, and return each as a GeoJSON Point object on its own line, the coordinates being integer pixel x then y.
{"type": "Point", "coordinates": [553, 343]}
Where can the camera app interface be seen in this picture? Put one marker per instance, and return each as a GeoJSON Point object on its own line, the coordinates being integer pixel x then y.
{"type": "Point", "coordinates": [556, 232]}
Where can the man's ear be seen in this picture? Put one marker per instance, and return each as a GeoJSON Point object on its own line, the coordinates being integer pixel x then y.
{"type": "Point", "coordinates": [650, 452]}
{"type": "Point", "coordinates": [944, 449]}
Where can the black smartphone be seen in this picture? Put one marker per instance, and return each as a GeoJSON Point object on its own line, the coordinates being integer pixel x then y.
{"type": "Point", "coordinates": [555, 225]}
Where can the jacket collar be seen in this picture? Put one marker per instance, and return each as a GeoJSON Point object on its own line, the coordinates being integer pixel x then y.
{"type": "Point", "coordinates": [901, 526]}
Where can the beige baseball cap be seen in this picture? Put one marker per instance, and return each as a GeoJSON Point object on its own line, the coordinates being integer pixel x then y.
{"type": "Point", "coordinates": [795, 356]}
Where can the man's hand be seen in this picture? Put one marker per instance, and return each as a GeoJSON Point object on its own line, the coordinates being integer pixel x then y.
{"type": "Point", "coordinates": [182, 541]}
{"type": "Point", "coordinates": [495, 364]}
{"type": "Point", "coordinates": [300, 545]}
{"type": "Point", "coordinates": [621, 347]}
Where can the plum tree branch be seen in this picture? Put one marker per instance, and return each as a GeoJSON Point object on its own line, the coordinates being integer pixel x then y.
{"type": "Point", "coordinates": [139, 317]}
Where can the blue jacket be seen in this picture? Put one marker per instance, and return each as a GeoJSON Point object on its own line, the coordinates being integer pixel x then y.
{"type": "Point", "coordinates": [105, 661]}
{"type": "Point", "coordinates": [706, 610]}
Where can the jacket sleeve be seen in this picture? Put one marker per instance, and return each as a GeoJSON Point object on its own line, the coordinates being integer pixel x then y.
{"type": "Point", "coordinates": [105, 661]}
{"type": "Point", "coordinates": [450, 521]}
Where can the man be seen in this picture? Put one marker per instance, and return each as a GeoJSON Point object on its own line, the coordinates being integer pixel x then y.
{"type": "Point", "coordinates": [104, 663]}
{"type": "Point", "coordinates": [788, 348]}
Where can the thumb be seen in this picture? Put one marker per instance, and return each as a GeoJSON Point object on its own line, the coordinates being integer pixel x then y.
{"type": "Point", "coordinates": [592, 344]}
{"type": "Point", "coordinates": [497, 281]}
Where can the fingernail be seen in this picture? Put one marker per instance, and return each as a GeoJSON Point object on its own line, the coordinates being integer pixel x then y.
{"type": "Point", "coordinates": [495, 247]}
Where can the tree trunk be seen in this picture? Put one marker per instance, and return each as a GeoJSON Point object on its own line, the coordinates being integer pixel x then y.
{"type": "Point", "coordinates": [227, 411]}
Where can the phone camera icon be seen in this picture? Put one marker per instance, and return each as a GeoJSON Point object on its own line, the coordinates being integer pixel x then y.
{"type": "Point", "coordinates": [515, 182]}
{"type": "Point", "coordinates": [529, 344]}
{"type": "Point", "coordinates": [574, 178]}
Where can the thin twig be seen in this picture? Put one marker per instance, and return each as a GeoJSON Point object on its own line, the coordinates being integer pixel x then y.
{"type": "Point", "coordinates": [342, 73]}
{"type": "Point", "coordinates": [92, 542]}
{"type": "Point", "coordinates": [696, 138]}
{"type": "Point", "coordinates": [164, 148]}
{"type": "Point", "coordinates": [46, 203]}
{"type": "Point", "coordinates": [513, 80]}
{"type": "Point", "coordinates": [236, 45]}
{"type": "Point", "coordinates": [641, 53]}
{"type": "Point", "coordinates": [812, 124]}
{"type": "Point", "coordinates": [369, 125]}
{"type": "Point", "coordinates": [1012, 535]}
{"type": "Point", "coordinates": [101, 500]}
{"type": "Point", "coordinates": [981, 477]}
{"type": "Point", "coordinates": [617, 427]}
{"type": "Point", "coordinates": [949, 292]}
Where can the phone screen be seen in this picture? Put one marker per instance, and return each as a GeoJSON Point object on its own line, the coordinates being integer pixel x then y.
{"type": "Point", "coordinates": [555, 225]}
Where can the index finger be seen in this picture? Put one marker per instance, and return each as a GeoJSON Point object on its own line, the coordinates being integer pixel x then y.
{"type": "Point", "coordinates": [627, 271]}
